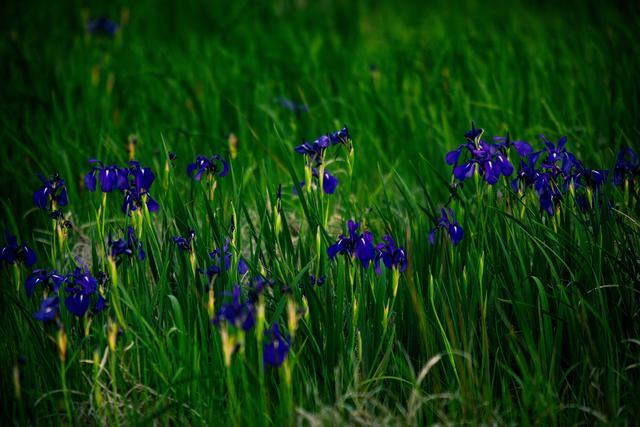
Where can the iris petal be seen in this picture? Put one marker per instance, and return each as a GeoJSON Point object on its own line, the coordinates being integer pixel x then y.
{"type": "Point", "coordinates": [77, 303]}
{"type": "Point", "coordinates": [329, 183]}
{"type": "Point", "coordinates": [242, 267]}
{"type": "Point", "coordinates": [152, 205]}
{"type": "Point", "coordinates": [464, 171]}
{"type": "Point", "coordinates": [62, 197]}
{"type": "Point", "coordinates": [333, 250]}
{"type": "Point", "coordinates": [522, 148]}
{"type": "Point", "coordinates": [90, 181]}
{"type": "Point", "coordinates": [505, 165]}
{"type": "Point", "coordinates": [48, 310]}
{"type": "Point", "coordinates": [225, 168]}
{"type": "Point", "coordinates": [40, 198]}
{"type": "Point", "coordinates": [29, 256]}
{"type": "Point", "coordinates": [453, 156]}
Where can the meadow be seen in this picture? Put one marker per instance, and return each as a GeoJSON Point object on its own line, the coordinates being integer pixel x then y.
{"type": "Point", "coordinates": [319, 213]}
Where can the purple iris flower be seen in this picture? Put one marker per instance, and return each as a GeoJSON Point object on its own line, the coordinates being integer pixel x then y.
{"type": "Point", "coordinates": [391, 255]}
{"type": "Point", "coordinates": [558, 160]}
{"type": "Point", "coordinates": [275, 347]}
{"type": "Point", "coordinates": [212, 166]}
{"type": "Point", "coordinates": [236, 312]}
{"type": "Point", "coordinates": [341, 136]}
{"type": "Point", "coordinates": [127, 246]}
{"type": "Point", "coordinates": [140, 181]}
{"type": "Point", "coordinates": [52, 194]}
{"type": "Point", "coordinates": [592, 178]}
{"type": "Point", "coordinates": [549, 194]}
{"type": "Point", "coordinates": [103, 26]}
{"type": "Point", "coordinates": [13, 252]}
{"type": "Point", "coordinates": [134, 182]}
{"type": "Point", "coordinates": [111, 177]}
{"type": "Point", "coordinates": [185, 243]}
{"type": "Point", "coordinates": [221, 258]}
{"type": "Point", "coordinates": [627, 167]}
{"type": "Point", "coordinates": [355, 245]}
{"type": "Point", "coordinates": [447, 222]}
{"type": "Point", "coordinates": [140, 177]}
{"type": "Point", "coordinates": [527, 173]}
{"type": "Point", "coordinates": [558, 169]}
{"type": "Point", "coordinates": [49, 309]}
{"type": "Point", "coordinates": [489, 159]}
{"type": "Point", "coordinates": [329, 182]}
{"type": "Point", "coordinates": [314, 150]}
{"type": "Point", "coordinates": [40, 276]}
{"type": "Point", "coordinates": [81, 286]}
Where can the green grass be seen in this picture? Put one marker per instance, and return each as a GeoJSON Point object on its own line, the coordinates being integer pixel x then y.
{"type": "Point", "coordinates": [527, 321]}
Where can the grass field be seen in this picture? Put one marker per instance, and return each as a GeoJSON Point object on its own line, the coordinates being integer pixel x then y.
{"type": "Point", "coordinates": [530, 315]}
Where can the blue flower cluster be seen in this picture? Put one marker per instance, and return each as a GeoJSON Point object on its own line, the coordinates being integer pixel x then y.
{"type": "Point", "coordinates": [49, 310]}
{"type": "Point", "coordinates": [51, 195]}
{"type": "Point", "coordinates": [81, 290]}
{"type": "Point", "coordinates": [81, 285]}
{"type": "Point", "coordinates": [133, 182]}
{"type": "Point", "coordinates": [489, 160]}
{"type": "Point", "coordinates": [41, 277]}
{"type": "Point", "coordinates": [240, 313]}
{"type": "Point", "coordinates": [360, 246]}
{"type": "Point", "coordinates": [276, 346]}
{"type": "Point", "coordinates": [551, 172]}
{"type": "Point", "coordinates": [559, 171]}
{"type": "Point", "coordinates": [391, 255]}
